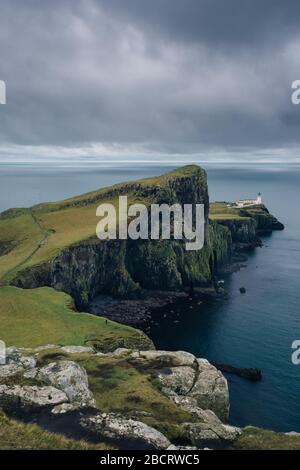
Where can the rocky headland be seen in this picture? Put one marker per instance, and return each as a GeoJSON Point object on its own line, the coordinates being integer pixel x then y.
{"type": "Point", "coordinates": [110, 386]}
{"type": "Point", "coordinates": [154, 271]}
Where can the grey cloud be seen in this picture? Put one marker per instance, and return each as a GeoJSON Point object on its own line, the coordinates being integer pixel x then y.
{"type": "Point", "coordinates": [221, 22]}
{"type": "Point", "coordinates": [172, 74]}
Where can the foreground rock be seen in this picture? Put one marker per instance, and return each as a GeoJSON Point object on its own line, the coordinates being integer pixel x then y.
{"type": "Point", "coordinates": [192, 384]}
{"type": "Point", "coordinates": [29, 398]}
{"type": "Point", "coordinates": [207, 430]}
{"type": "Point", "coordinates": [211, 389]}
{"type": "Point", "coordinates": [157, 359]}
{"type": "Point", "coordinates": [181, 374]}
{"type": "Point", "coordinates": [126, 433]}
{"type": "Point", "coordinates": [77, 349]}
{"type": "Point", "coordinates": [16, 362]}
{"type": "Point", "coordinates": [71, 378]}
{"type": "Point", "coordinates": [211, 435]}
{"type": "Point", "coordinates": [178, 380]}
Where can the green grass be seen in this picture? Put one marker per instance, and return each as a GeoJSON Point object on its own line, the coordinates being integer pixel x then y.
{"type": "Point", "coordinates": [183, 172]}
{"type": "Point", "coordinates": [260, 439]}
{"type": "Point", "coordinates": [221, 211]}
{"type": "Point", "coordinates": [22, 234]}
{"type": "Point", "coordinates": [40, 233]}
{"type": "Point", "coordinates": [15, 435]}
{"type": "Point", "coordinates": [121, 388]}
{"type": "Point", "coordinates": [34, 317]}
{"type": "Point", "coordinates": [224, 211]}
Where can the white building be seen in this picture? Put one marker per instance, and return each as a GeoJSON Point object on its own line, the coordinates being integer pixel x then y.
{"type": "Point", "coordinates": [250, 202]}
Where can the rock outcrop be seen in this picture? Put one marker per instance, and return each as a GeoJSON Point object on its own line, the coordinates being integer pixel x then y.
{"type": "Point", "coordinates": [77, 349]}
{"type": "Point", "coordinates": [181, 374]}
{"type": "Point", "coordinates": [253, 374]}
{"type": "Point", "coordinates": [71, 378]}
{"type": "Point", "coordinates": [29, 398]}
{"type": "Point", "coordinates": [126, 433]}
{"type": "Point", "coordinates": [211, 389]}
{"type": "Point", "coordinates": [246, 229]}
{"type": "Point", "coordinates": [207, 430]}
{"type": "Point", "coordinates": [159, 359]}
{"type": "Point", "coordinates": [62, 388]}
{"type": "Point", "coordinates": [61, 382]}
{"type": "Point", "coordinates": [16, 362]}
{"type": "Point", "coordinates": [211, 434]}
{"type": "Point", "coordinates": [243, 231]}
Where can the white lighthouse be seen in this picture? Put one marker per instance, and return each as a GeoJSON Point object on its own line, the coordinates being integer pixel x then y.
{"type": "Point", "coordinates": [259, 199]}
{"type": "Point", "coordinates": [249, 202]}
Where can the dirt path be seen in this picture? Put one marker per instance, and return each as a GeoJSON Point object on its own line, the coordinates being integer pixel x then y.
{"type": "Point", "coordinates": [45, 235]}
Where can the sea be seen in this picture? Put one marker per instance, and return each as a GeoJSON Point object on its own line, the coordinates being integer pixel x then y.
{"type": "Point", "coordinates": [255, 329]}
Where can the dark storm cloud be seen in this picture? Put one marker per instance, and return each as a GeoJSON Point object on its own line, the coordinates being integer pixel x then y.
{"type": "Point", "coordinates": [175, 75]}
{"type": "Point", "coordinates": [222, 22]}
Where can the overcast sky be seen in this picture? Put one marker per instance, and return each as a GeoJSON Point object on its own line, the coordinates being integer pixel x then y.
{"type": "Point", "coordinates": [165, 78]}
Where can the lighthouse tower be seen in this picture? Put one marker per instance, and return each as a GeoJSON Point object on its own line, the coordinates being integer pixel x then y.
{"type": "Point", "coordinates": [259, 199]}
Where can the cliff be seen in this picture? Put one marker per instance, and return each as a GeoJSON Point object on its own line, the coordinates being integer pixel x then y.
{"type": "Point", "coordinates": [63, 251]}
{"type": "Point", "coordinates": [81, 265]}
{"type": "Point", "coordinates": [245, 225]}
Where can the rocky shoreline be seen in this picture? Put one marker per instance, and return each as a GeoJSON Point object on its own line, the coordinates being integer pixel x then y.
{"type": "Point", "coordinates": [138, 312]}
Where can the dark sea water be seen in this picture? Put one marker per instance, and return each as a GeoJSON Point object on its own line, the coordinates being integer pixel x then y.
{"type": "Point", "coordinates": [251, 330]}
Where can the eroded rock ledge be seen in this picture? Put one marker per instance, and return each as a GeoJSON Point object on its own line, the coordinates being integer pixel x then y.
{"type": "Point", "coordinates": [62, 388]}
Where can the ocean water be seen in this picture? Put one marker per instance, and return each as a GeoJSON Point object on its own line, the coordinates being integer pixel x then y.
{"type": "Point", "coordinates": [251, 330]}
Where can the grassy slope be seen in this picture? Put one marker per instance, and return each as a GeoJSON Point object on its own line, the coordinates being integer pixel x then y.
{"type": "Point", "coordinates": [38, 236]}
{"type": "Point", "coordinates": [220, 211]}
{"type": "Point", "coordinates": [19, 436]}
{"type": "Point", "coordinates": [22, 235]}
{"type": "Point", "coordinates": [35, 317]}
{"type": "Point", "coordinates": [260, 439]}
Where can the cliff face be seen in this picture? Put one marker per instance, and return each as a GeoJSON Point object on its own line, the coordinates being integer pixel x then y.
{"type": "Point", "coordinates": [243, 232]}
{"type": "Point", "coordinates": [265, 222]}
{"type": "Point", "coordinates": [249, 225]}
{"type": "Point", "coordinates": [123, 268]}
